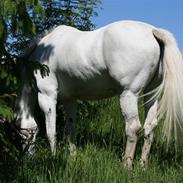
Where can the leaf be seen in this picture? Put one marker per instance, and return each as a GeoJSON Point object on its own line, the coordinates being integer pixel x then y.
{"type": "Point", "coordinates": [5, 111]}
{"type": "Point", "coordinates": [3, 31]}
{"type": "Point", "coordinates": [3, 74]}
{"type": "Point", "coordinates": [38, 9]}
{"type": "Point", "coordinates": [25, 22]}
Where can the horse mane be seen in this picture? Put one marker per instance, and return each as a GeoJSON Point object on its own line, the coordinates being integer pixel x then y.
{"type": "Point", "coordinates": [26, 52]}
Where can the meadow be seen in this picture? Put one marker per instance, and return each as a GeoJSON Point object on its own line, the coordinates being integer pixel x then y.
{"type": "Point", "coordinates": [101, 143]}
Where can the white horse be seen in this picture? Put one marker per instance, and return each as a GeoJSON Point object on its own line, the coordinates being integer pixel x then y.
{"type": "Point", "coordinates": [125, 58]}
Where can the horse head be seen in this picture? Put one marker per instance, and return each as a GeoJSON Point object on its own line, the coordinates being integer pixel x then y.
{"type": "Point", "coordinates": [25, 123]}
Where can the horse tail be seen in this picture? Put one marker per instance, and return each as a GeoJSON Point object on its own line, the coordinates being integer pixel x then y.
{"type": "Point", "coordinates": [170, 91]}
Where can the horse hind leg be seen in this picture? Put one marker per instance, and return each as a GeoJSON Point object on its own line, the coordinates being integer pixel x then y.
{"type": "Point", "coordinates": [70, 108]}
{"type": "Point", "coordinates": [129, 107]}
{"type": "Point", "coordinates": [149, 126]}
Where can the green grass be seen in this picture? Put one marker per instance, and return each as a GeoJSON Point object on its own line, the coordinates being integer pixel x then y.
{"type": "Point", "coordinates": [92, 164]}
{"type": "Point", "coordinates": [101, 142]}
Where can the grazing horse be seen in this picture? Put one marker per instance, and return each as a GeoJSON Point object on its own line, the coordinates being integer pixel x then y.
{"type": "Point", "coordinates": [125, 58]}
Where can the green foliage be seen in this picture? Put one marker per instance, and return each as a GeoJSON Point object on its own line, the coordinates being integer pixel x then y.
{"type": "Point", "coordinates": [16, 15]}
{"type": "Point", "coordinates": [5, 111]}
{"type": "Point", "coordinates": [101, 123]}
{"type": "Point", "coordinates": [76, 13]}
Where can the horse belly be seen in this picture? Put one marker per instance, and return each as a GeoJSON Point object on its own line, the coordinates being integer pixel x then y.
{"type": "Point", "coordinates": [98, 87]}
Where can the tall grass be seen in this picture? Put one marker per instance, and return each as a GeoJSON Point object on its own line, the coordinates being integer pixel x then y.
{"type": "Point", "coordinates": [101, 143]}
{"type": "Point", "coordinates": [91, 165]}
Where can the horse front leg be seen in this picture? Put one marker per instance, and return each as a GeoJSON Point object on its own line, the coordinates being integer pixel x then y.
{"type": "Point", "coordinates": [70, 108]}
{"type": "Point", "coordinates": [48, 105]}
{"type": "Point", "coordinates": [129, 107]}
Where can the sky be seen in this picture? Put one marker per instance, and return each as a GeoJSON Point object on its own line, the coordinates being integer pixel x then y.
{"type": "Point", "coordinates": [167, 14]}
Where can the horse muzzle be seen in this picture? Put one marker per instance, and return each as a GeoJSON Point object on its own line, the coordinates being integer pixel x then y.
{"type": "Point", "coordinates": [28, 137]}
